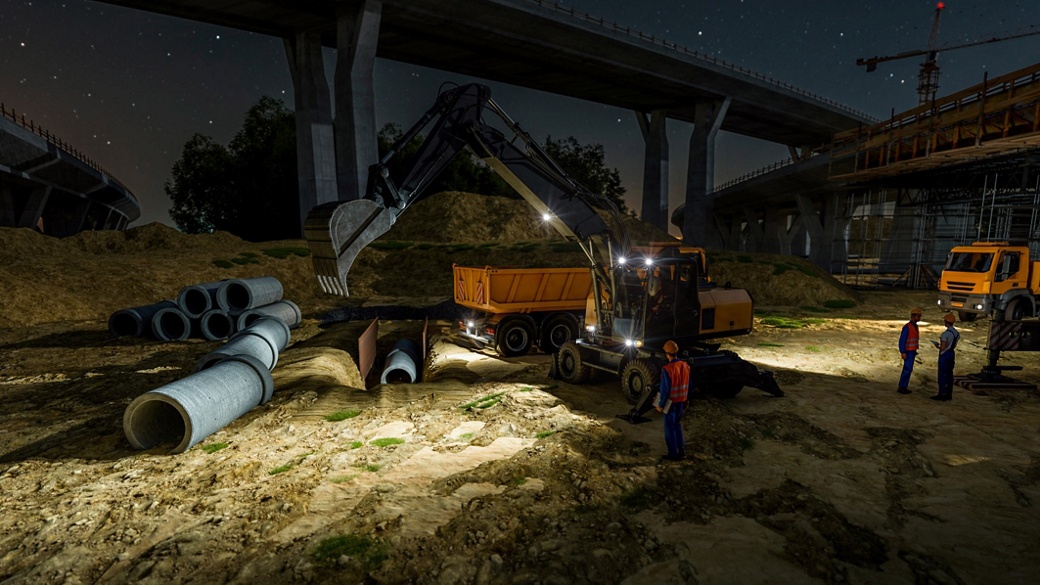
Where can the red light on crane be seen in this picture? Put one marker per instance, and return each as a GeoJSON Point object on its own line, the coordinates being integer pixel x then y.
{"type": "Point", "coordinates": [940, 6]}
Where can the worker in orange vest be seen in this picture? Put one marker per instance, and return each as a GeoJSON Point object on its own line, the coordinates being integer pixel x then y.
{"type": "Point", "coordinates": [671, 401]}
{"type": "Point", "coordinates": [909, 343]}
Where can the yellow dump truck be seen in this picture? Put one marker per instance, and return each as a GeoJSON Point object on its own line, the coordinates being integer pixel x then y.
{"type": "Point", "coordinates": [512, 309]}
{"type": "Point", "coordinates": [990, 277]}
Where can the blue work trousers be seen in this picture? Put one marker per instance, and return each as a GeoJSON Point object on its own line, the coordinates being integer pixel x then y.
{"type": "Point", "coordinates": [946, 363]}
{"type": "Point", "coordinates": [673, 434]}
{"type": "Point", "coordinates": [908, 368]}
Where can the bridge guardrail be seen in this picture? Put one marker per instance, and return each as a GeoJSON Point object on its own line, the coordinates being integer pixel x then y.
{"type": "Point", "coordinates": [703, 56]}
{"type": "Point", "coordinates": [31, 126]}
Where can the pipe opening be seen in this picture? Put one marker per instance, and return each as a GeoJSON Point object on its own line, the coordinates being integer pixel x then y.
{"type": "Point", "coordinates": [248, 319]}
{"type": "Point", "coordinates": [196, 302]}
{"type": "Point", "coordinates": [171, 325]}
{"type": "Point", "coordinates": [154, 423]}
{"type": "Point", "coordinates": [397, 376]}
{"type": "Point", "coordinates": [237, 297]}
{"type": "Point", "coordinates": [217, 325]}
{"type": "Point", "coordinates": [126, 323]}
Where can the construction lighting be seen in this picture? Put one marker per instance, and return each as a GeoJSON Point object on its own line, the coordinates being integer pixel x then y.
{"type": "Point", "coordinates": [621, 261]}
{"type": "Point", "coordinates": [546, 217]}
{"type": "Point", "coordinates": [649, 262]}
{"type": "Point", "coordinates": [470, 324]}
{"type": "Point", "coordinates": [629, 343]}
{"type": "Point", "coordinates": [978, 307]}
{"type": "Point", "coordinates": [591, 328]}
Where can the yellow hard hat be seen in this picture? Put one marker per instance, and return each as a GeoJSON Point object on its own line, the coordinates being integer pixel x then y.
{"type": "Point", "coordinates": [949, 318]}
{"type": "Point", "coordinates": [917, 311]}
{"type": "Point", "coordinates": [671, 347]}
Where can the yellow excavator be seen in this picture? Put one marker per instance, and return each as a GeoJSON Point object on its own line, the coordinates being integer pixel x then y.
{"type": "Point", "coordinates": [640, 298]}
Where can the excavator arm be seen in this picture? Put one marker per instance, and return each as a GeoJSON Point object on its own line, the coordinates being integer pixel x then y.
{"type": "Point", "coordinates": [338, 231]}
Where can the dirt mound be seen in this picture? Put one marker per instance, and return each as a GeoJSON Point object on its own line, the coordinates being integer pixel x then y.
{"type": "Point", "coordinates": [454, 216]}
{"type": "Point", "coordinates": [776, 279]}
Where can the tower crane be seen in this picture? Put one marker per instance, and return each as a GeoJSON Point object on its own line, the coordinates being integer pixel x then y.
{"type": "Point", "coordinates": [928, 76]}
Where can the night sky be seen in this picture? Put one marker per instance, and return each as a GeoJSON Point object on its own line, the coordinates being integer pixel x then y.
{"type": "Point", "coordinates": [128, 88]}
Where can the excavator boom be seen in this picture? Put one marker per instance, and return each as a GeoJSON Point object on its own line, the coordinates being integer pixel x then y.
{"type": "Point", "coordinates": [338, 231]}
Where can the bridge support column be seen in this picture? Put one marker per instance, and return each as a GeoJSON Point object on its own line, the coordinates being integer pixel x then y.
{"type": "Point", "coordinates": [357, 35]}
{"type": "Point", "coordinates": [8, 216]}
{"type": "Point", "coordinates": [754, 231]}
{"type": "Point", "coordinates": [315, 142]}
{"type": "Point", "coordinates": [34, 207]}
{"type": "Point", "coordinates": [793, 241]}
{"type": "Point", "coordinates": [655, 169]}
{"type": "Point", "coordinates": [825, 228]}
{"type": "Point", "coordinates": [698, 224]}
{"type": "Point", "coordinates": [774, 229]}
{"type": "Point", "coordinates": [898, 252]}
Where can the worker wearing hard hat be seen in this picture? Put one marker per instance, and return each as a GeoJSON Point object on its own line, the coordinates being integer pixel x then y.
{"type": "Point", "coordinates": [671, 401]}
{"type": "Point", "coordinates": [909, 343]}
{"type": "Point", "coordinates": [947, 355]}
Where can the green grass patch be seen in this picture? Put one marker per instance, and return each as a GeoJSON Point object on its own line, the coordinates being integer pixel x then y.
{"type": "Point", "coordinates": [286, 251]}
{"type": "Point", "coordinates": [342, 415]}
{"type": "Point", "coordinates": [780, 268]}
{"type": "Point", "coordinates": [516, 482]}
{"type": "Point", "coordinates": [485, 402]}
{"type": "Point", "coordinates": [461, 247]}
{"type": "Point", "coordinates": [369, 551]}
{"type": "Point", "coordinates": [524, 246]}
{"type": "Point", "coordinates": [813, 348]}
{"type": "Point", "coordinates": [466, 437]}
{"type": "Point", "coordinates": [745, 259]}
{"type": "Point", "coordinates": [214, 447]}
{"type": "Point", "coordinates": [424, 245]}
{"type": "Point", "coordinates": [638, 498]}
{"type": "Point", "coordinates": [370, 467]}
{"type": "Point", "coordinates": [767, 344]}
{"type": "Point", "coordinates": [839, 304]}
{"type": "Point", "coordinates": [342, 478]}
{"type": "Point", "coordinates": [809, 271]}
{"type": "Point", "coordinates": [790, 322]}
{"type": "Point", "coordinates": [813, 309]}
{"type": "Point", "coordinates": [249, 254]}
{"type": "Point", "coordinates": [544, 434]}
{"type": "Point", "coordinates": [386, 441]}
{"type": "Point", "coordinates": [280, 469]}
{"type": "Point", "coordinates": [242, 260]}
{"type": "Point", "coordinates": [391, 245]}
{"type": "Point", "coordinates": [356, 444]}
{"type": "Point", "coordinates": [223, 263]}
{"type": "Point", "coordinates": [487, 245]}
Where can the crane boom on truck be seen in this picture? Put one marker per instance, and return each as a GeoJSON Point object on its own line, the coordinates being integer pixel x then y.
{"type": "Point", "coordinates": [635, 304]}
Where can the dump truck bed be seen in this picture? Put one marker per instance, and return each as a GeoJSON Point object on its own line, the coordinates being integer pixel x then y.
{"type": "Point", "coordinates": [522, 290]}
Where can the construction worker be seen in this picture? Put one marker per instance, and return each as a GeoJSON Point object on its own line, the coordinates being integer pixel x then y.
{"type": "Point", "coordinates": [909, 343]}
{"type": "Point", "coordinates": [947, 355]}
{"type": "Point", "coordinates": [671, 401]}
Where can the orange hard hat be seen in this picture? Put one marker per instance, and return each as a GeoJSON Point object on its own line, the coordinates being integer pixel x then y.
{"type": "Point", "coordinates": [949, 318]}
{"type": "Point", "coordinates": [671, 347]}
{"type": "Point", "coordinates": [917, 311]}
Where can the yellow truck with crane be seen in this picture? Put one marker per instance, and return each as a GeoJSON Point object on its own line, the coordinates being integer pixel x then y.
{"type": "Point", "coordinates": [990, 278]}
{"type": "Point", "coordinates": [638, 301]}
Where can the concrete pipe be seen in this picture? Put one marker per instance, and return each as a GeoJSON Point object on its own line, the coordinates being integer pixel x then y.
{"type": "Point", "coordinates": [285, 310]}
{"type": "Point", "coordinates": [402, 363]}
{"type": "Point", "coordinates": [136, 321]}
{"type": "Point", "coordinates": [196, 299]}
{"type": "Point", "coordinates": [170, 324]}
{"type": "Point", "coordinates": [216, 324]}
{"type": "Point", "coordinates": [188, 410]}
{"type": "Point", "coordinates": [263, 340]}
{"type": "Point", "coordinates": [237, 295]}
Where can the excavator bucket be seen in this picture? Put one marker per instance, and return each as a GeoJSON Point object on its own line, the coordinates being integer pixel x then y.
{"type": "Point", "coordinates": [336, 233]}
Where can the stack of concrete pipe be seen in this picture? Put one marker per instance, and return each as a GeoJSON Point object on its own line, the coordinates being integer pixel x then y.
{"type": "Point", "coordinates": [213, 311]}
{"type": "Point", "coordinates": [227, 383]}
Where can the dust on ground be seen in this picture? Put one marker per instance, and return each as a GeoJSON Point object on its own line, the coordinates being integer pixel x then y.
{"type": "Point", "coordinates": [488, 471]}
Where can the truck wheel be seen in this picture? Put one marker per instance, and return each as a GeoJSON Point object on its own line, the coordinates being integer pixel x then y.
{"type": "Point", "coordinates": [557, 331]}
{"type": "Point", "coordinates": [639, 376]}
{"type": "Point", "coordinates": [569, 365]}
{"type": "Point", "coordinates": [513, 338]}
{"type": "Point", "coordinates": [1018, 309]}
{"type": "Point", "coordinates": [966, 317]}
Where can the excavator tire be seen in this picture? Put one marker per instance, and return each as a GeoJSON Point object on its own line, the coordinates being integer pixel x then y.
{"type": "Point", "coordinates": [569, 366]}
{"type": "Point", "coordinates": [639, 376]}
{"type": "Point", "coordinates": [514, 337]}
{"type": "Point", "coordinates": [558, 330]}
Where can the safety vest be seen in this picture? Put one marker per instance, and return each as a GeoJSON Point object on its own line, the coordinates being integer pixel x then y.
{"type": "Point", "coordinates": [912, 337]}
{"type": "Point", "coordinates": [679, 374]}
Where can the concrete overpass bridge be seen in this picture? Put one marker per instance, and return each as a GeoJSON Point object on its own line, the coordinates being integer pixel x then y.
{"type": "Point", "coordinates": [49, 185]}
{"type": "Point", "coordinates": [529, 43]}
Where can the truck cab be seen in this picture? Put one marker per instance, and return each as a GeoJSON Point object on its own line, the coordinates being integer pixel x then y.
{"type": "Point", "coordinates": [988, 277]}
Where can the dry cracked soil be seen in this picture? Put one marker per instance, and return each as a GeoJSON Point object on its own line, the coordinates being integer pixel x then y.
{"type": "Point", "coordinates": [488, 471]}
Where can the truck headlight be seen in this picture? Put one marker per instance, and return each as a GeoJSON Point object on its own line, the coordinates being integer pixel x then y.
{"type": "Point", "coordinates": [939, 302]}
{"type": "Point", "coordinates": [470, 324]}
{"type": "Point", "coordinates": [978, 307]}
{"type": "Point", "coordinates": [629, 343]}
